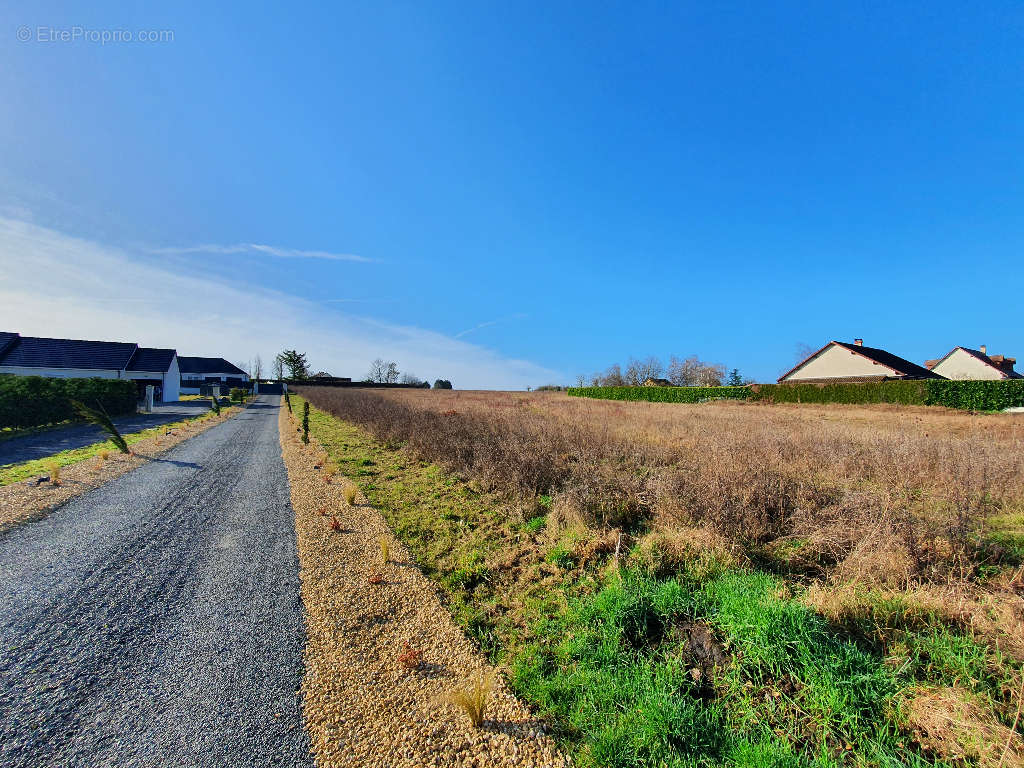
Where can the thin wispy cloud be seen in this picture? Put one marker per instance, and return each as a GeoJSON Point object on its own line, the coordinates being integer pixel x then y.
{"type": "Point", "coordinates": [257, 248]}
{"type": "Point", "coordinates": [197, 314]}
{"type": "Point", "coordinates": [487, 324]}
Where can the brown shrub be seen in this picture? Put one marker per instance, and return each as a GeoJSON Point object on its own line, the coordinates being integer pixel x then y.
{"type": "Point", "coordinates": [878, 495]}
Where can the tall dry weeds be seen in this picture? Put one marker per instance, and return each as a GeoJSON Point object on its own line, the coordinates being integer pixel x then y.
{"type": "Point", "coordinates": [858, 493]}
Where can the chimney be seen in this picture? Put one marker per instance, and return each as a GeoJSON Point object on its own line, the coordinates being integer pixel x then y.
{"type": "Point", "coordinates": [984, 349]}
{"type": "Point", "coordinates": [858, 342]}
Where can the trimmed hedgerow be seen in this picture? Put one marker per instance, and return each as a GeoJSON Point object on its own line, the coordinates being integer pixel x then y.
{"type": "Point", "coordinates": [35, 401]}
{"type": "Point", "coordinates": [902, 392]}
{"type": "Point", "coordinates": [662, 394]}
{"type": "Point", "coordinates": [977, 395]}
{"type": "Point", "coordinates": [964, 395]}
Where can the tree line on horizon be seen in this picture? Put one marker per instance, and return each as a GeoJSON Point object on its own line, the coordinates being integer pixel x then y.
{"type": "Point", "coordinates": [292, 365]}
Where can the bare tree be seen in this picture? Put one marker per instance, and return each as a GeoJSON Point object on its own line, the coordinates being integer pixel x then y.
{"type": "Point", "coordinates": [410, 378]}
{"type": "Point", "coordinates": [278, 368]}
{"type": "Point", "coordinates": [639, 371]}
{"type": "Point", "coordinates": [257, 368]}
{"type": "Point", "coordinates": [378, 371]}
{"type": "Point", "coordinates": [692, 372]}
{"type": "Point", "coordinates": [391, 377]}
{"type": "Point", "coordinates": [611, 377]}
{"type": "Point", "coordinates": [580, 380]}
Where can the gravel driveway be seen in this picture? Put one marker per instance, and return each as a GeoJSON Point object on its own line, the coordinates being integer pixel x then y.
{"type": "Point", "coordinates": [156, 621]}
{"type": "Point", "coordinates": [51, 441]}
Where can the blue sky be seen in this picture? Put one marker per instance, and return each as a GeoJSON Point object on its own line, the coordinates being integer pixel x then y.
{"type": "Point", "coordinates": [531, 190]}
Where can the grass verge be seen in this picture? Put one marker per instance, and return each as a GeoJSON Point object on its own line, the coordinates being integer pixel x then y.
{"type": "Point", "coordinates": [708, 662]}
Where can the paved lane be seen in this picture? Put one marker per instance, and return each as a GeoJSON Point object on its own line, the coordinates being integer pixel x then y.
{"type": "Point", "coordinates": [157, 620]}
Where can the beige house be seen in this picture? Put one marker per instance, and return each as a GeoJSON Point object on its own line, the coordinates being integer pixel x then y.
{"type": "Point", "coordinates": [840, 361]}
{"type": "Point", "coordinates": [963, 363]}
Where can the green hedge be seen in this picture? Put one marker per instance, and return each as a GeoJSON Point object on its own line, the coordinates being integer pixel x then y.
{"type": "Point", "coordinates": [977, 395]}
{"type": "Point", "coordinates": [34, 401]}
{"type": "Point", "coordinates": [903, 392]}
{"type": "Point", "coordinates": [964, 395]}
{"type": "Point", "coordinates": [662, 394]}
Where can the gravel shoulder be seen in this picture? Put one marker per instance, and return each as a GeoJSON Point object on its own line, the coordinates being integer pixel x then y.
{"type": "Point", "coordinates": [362, 707]}
{"type": "Point", "coordinates": [157, 620]}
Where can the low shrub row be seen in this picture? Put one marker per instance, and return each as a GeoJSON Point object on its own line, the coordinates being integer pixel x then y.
{"type": "Point", "coordinates": [902, 392]}
{"type": "Point", "coordinates": [35, 401]}
{"type": "Point", "coordinates": [977, 395]}
{"type": "Point", "coordinates": [662, 394]}
{"type": "Point", "coordinates": [964, 395]}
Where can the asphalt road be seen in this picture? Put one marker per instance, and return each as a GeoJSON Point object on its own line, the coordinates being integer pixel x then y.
{"type": "Point", "coordinates": [156, 621]}
{"type": "Point", "coordinates": [51, 441]}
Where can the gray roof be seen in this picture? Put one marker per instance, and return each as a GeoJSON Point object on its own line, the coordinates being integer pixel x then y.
{"type": "Point", "coordinates": [6, 339]}
{"type": "Point", "coordinates": [39, 352]}
{"type": "Point", "coordinates": [207, 365]}
{"type": "Point", "coordinates": [150, 359]}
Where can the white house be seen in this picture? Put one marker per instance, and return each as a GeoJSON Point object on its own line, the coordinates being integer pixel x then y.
{"type": "Point", "coordinates": [840, 361]}
{"type": "Point", "coordinates": [197, 371]}
{"type": "Point", "coordinates": [79, 359]}
{"type": "Point", "coordinates": [964, 363]}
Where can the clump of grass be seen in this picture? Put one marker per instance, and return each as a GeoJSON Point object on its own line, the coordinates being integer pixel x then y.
{"type": "Point", "coordinates": [350, 495]}
{"type": "Point", "coordinates": [474, 697]}
{"type": "Point", "coordinates": [385, 548]}
{"type": "Point", "coordinates": [535, 524]}
{"type": "Point", "coordinates": [100, 417]}
{"type": "Point", "coordinates": [103, 454]}
{"type": "Point", "coordinates": [54, 469]}
{"type": "Point", "coordinates": [329, 472]}
{"type": "Point", "coordinates": [335, 524]}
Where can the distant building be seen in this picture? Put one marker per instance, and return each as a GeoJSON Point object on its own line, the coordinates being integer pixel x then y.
{"type": "Point", "coordinates": [839, 361]}
{"type": "Point", "coordinates": [963, 363]}
{"type": "Point", "coordinates": [653, 382]}
{"type": "Point", "coordinates": [80, 359]}
{"type": "Point", "coordinates": [197, 371]}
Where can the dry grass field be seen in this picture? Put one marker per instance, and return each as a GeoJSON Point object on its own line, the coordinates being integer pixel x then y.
{"type": "Point", "coordinates": [859, 566]}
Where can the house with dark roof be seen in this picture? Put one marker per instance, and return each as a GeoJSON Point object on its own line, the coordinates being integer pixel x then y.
{"type": "Point", "coordinates": [839, 361]}
{"type": "Point", "coordinates": [963, 363]}
{"type": "Point", "coordinates": [80, 359]}
{"type": "Point", "coordinates": [199, 371]}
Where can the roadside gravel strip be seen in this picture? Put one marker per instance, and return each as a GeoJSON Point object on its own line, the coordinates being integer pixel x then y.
{"type": "Point", "coordinates": [362, 707]}
{"type": "Point", "coordinates": [156, 620]}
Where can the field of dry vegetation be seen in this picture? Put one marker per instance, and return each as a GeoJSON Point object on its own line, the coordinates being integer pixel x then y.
{"type": "Point", "coordinates": [895, 532]}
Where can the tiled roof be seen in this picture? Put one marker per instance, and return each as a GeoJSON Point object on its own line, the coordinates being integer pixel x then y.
{"type": "Point", "coordinates": [207, 365]}
{"type": "Point", "coordinates": [6, 339]}
{"type": "Point", "coordinates": [898, 364]}
{"type": "Point", "coordinates": [149, 359]}
{"type": "Point", "coordinates": [37, 352]}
